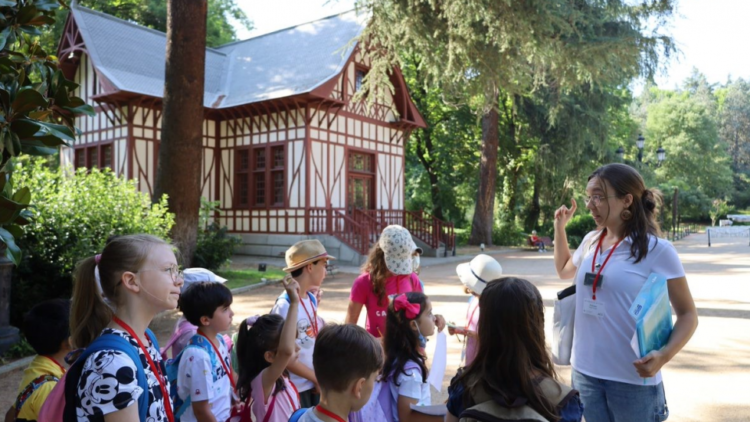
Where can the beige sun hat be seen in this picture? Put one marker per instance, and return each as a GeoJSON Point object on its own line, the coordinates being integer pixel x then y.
{"type": "Point", "coordinates": [398, 247]}
{"type": "Point", "coordinates": [478, 272]}
{"type": "Point", "coordinates": [305, 252]}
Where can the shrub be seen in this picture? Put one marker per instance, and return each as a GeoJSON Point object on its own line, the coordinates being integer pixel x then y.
{"type": "Point", "coordinates": [508, 234]}
{"type": "Point", "coordinates": [214, 246]}
{"type": "Point", "coordinates": [75, 214]}
{"type": "Point", "coordinates": [578, 227]}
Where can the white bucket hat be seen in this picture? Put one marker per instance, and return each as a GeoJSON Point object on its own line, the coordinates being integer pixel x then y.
{"type": "Point", "coordinates": [196, 275]}
{"type": "Point", "coordinates": [398, 247]}
{"type": "Point", "coordinates": [478, 272]}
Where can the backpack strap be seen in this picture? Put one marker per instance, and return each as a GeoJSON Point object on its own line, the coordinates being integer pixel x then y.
{"type": "Point", "coordinates": [311, 296]}
{"type": "Point", "coordinates": [298, 414]}
{"type": "Point", "coordinates": [187, 326]}
{"type": "Point", "coordinates": [29, 390]}
{"type": "Point", "coordinates": [107, 342]}
{"type": "Point", "coordinates": [556, 392]}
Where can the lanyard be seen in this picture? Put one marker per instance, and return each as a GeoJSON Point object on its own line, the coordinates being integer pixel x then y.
{"type": "Point", "coordinates": [596, 251]}
{"type": "Point", "coordinates": [269, 412]}
{"type": "Point", "coordinates": [55, 362]}
{"type": "Point", "coordinates": [221, 359]}
{"type": "Point", "coordinates": [314, 319]}
{"type": "Point", "coordinates": [157, 373]}
{"type": "Point", "coordinates": [328, 413]}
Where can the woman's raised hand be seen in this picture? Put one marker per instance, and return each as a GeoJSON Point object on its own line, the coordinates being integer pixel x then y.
{"type": "Point", "coordinates": [564, 214]}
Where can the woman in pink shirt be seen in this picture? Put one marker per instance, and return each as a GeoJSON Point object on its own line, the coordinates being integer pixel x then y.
{"type": "Point", "coordinates": [389, 271]}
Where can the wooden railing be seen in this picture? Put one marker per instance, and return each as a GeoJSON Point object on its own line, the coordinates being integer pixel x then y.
{"type": "Point", "coordinates": [334, 222]}
{"type": "Point", "coordinates": [361, 228]}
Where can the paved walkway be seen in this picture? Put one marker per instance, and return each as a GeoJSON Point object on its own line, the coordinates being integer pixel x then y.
{"type": "Point", "coordinates": [707, 381]}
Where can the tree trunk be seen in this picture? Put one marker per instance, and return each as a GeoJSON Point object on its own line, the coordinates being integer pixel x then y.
{"type": "Point", "coordinates": [423, 150]}
{"type": "Point", "coordinates": [532, 216]}
{"type": "Point", "coordinates": [180, 153]}
{"type": "Point", "coordinates": [481, 225]}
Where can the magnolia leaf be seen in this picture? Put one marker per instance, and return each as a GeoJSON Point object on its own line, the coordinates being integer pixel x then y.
{"type": "Point", "coordinates": [13, 252]}
{"type": "Point", "coordinates": [22, 196]}
{"type": "Point", "coordinates": [4, 34]}
{"type": "Point", "coordinates": [28, 99]}
{"type": "Point", "coordinates": [60, 131]}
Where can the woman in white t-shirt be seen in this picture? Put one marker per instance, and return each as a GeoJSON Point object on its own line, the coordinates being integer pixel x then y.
{"type": "Point", "coordinates": [610, 267]}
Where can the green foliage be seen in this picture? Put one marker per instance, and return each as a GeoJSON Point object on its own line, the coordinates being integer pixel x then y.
{"type": "Point", "coordinates": [578, 227]}
{"type": "Point", "coordinates": [75, 214]}
{"type": "Point", "coordinates": [18, 350]}
{"type": "Point", "coordinates": [719, 209]}
{"type": "Point", "coordinates": [508, 234]}
{"type": "Point", "coordinates": [153, 14]}
{"type": "Point", "coordinates": [37, 106]}
{"type": "Point", "coordinates": [215, 246]}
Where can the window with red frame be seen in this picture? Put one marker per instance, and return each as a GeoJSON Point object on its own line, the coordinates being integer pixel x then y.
{"type": "Point", "coordinates": [99, 156]}
{"type": "Point", "coordinates": [259, 177]}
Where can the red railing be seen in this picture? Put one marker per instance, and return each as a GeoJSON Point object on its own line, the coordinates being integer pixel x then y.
{"type": "Point", "coordinates": [361, 228]}
{"type": "Point", "coordinates": [334, 222]}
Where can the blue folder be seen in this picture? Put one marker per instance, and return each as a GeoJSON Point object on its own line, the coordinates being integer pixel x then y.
{"type": "Point", "coordinates": [653, 314]}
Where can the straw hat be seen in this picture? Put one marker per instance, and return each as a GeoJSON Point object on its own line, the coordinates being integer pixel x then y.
{"type": "Point", "coordinates": [478, 272]}
{"type": "Point", "coordinates": [305, 252]}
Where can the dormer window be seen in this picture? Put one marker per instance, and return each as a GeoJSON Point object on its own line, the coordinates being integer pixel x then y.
{"type": "Point", "coordinates": [359, 77]}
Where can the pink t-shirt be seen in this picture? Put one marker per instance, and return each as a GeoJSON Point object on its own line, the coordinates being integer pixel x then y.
{"type": "Point", "coordinates": [472, 321]}
{"type": "Point", "coordinates": [286, 402]}
{"type": "Point", "coordinates": [362, 293]}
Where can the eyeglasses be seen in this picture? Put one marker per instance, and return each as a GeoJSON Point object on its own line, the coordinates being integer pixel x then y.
{"type": "Point", "coordinates": [597, 199]}
{"type": "Point", "coordinates": [174, 271]}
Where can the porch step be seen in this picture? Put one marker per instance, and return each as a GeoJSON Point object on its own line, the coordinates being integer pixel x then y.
{"type": "Point", "coordinates": [428, 250]}
{"type": "Point", "coordinates": [275, 245]}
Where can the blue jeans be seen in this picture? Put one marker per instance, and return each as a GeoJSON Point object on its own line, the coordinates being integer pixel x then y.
{"type": "Point", "coordinates": [612, 401]}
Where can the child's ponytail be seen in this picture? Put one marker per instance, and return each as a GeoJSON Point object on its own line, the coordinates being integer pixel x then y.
{"type": "Point", "coordinates": [89, 313]}
{"type": "Point", "coordinates": [257, 335]}
{"type": "Point", "coordinates": [400, 342]}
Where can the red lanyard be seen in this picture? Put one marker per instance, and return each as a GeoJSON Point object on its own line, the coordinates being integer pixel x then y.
{"type": "Point", "coordinates": [221, 359]}
{"type": "Point", "coordinates": [157, 373]}
{"type": "Point", "coordinates": [314, 319]}
{"type": "Point", "coordinates": [328, 413]}
{"type": "Point", "coordinates": [471, 317]}
{"type": "Point", "coordinates": [56, 364]}
{"type": "Point", "coordinates": [596, 251]}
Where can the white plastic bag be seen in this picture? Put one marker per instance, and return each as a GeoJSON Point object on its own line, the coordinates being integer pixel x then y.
{"type": "Point", "coordinates": [562, 326]}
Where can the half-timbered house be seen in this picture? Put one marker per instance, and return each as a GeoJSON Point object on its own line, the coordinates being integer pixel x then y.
{"type": "Point", "coordinates": [286, 151]}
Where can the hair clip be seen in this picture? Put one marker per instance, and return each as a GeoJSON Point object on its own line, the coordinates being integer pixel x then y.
{"type": "Point", "coordinates": [250, 321]}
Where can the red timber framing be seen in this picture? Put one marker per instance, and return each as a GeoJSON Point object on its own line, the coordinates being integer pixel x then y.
{"type": "Point", "coordinates": [279, 166]}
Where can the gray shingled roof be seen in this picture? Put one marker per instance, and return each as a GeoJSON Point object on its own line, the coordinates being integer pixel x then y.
{"type": "Point", "coordinates": [287, 62]}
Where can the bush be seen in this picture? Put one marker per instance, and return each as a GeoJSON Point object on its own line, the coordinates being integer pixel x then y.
{"type": "Point", "coordinates": [75, 214]}
{"type": "Point", "coordinates": [578, 227]}
{"type": "Point", "coordinates": [508, 234]}
{"type": "Point", "coordinates": [214, 246]}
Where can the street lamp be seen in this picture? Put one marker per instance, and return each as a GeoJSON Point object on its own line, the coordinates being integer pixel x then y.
{"type": "Point", "coordinates": [639, 143]}
{"type": "Point", "coordinates": [620, 153]}
{"type": "Point", "coordinates": [661, 155]}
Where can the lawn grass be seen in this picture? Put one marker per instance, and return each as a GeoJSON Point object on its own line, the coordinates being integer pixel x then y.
{"type": "Point", "coordinates": [240, 278]}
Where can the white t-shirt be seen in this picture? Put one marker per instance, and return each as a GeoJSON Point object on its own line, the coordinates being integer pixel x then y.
{"type": "Point", "coordinates": [306, 334]}
{"type": "Point", "coordinates": [195, 378]}
{"type": "Point", "coordinates": [601, 345]}
{"type": "Point", "coordinates": [410, 385]}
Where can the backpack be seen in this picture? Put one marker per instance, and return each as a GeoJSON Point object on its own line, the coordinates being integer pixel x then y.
{"type": "Point", "coordinates": [29, 390]}
{"type": "Point", "coordinates": [60, 404]}
{"type": "Point", "coordinates": [489, 410]}
{"type": "Point", "coordinates": [173, 365]}
{"type": "Point", "coordinates": [380, 406]}
{"type": "Point", "coordinates": [183, 327]}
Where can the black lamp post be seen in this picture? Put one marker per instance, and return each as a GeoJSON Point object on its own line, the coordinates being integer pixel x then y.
{"type": "Point", "coordinates": [640, 143]}
{"type": "Point", "coordinates": [661, 154]}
